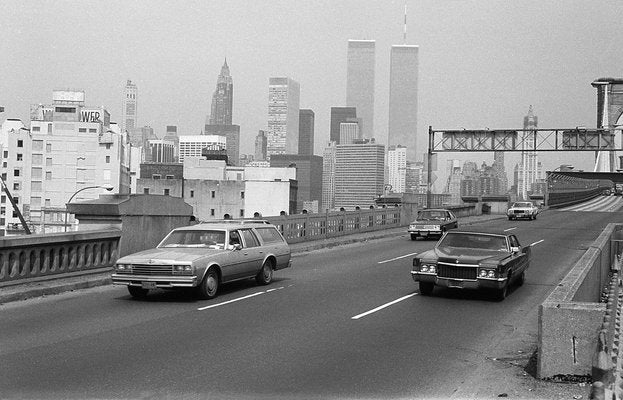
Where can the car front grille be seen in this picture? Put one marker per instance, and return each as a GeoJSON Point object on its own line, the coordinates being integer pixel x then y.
{"type": "Point", "coordinates": [150, 270]}
{"type": "Point", "coordinates": [456, 272]}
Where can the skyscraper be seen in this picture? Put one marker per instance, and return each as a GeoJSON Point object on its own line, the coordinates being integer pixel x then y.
{"type": "Point", "coordinates": [283, 116]}
{"type": "Point", "coordinates": [232, 133]}
{"type": "Point", "coordinates": [260, 146]}
{"type": "Point", "coordinates": [403, 84]}
{"type": "Point", "coordinates": [129, 107]}
{"type": "Point", "coordinates": [530, 170]}
{"type": "Point", "coordinates": [328, 176]}
{"type": "Point", "coordinates": [306, 132]}
{"type": "Point", "coordinates": [360, 82]}
{"type": "Point", "coordinates": [397, 168]}
{"type": "Point", "coordinates": [339, 115]}
{"type": "Point", "coordinates": [359, 174]}
{"type": "Point", "coordinates": [222, 99]}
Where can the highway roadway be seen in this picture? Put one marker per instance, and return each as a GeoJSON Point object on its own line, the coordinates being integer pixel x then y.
{"type": "Point", "coordinates": [344, 322]}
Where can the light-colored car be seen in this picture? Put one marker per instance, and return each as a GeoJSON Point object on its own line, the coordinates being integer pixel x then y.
{"type": "Point", "coordinates": [472, 260]}
{"type": "Point", "coordinates": [522, 209]}
{"type": "Point", "coordinates": [432, 222]}
{"type": "Point", "coordinates": [204, 256]}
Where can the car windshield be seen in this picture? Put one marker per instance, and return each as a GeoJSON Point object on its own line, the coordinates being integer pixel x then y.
{"type": "Point", "coordinates": [432, 214]}
{"type": "Point", "coordinates": [213, 239]}
{"type": "Point", "coordinates": [474, 241]}
{"type": "Point", "coordinates": [522, 205]}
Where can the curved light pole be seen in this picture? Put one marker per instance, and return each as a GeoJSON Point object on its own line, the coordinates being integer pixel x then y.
{"type": "Point", "coordinates": [109, 188]}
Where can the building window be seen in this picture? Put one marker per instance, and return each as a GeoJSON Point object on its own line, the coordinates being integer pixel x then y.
{"type": "Point", "coordinates": [48, 162]}
{"type": "Point", "coordinates": [145, 190]}
{"type": "Point", "coordinates": [37, 159]}
{"type": "Point", "coordinates": [92, 130]}
{"type": "Point", "coordinates": [155, 176]}
{"type": "Point", "coordinates": [166, 192]}
{"type": "Point", "coordinates": [48, 202]}
{"type": "Point", "coordinates": [20, 157]}
{"type": "Point", "coordinates": [16, 199]}
{"type": "Point", "coordinates": [107, 146]}
{"type": "Point", "coordinates": [36, 129]}
{"type": "Point", "coordinates": [37, 145]}
{"type": "Point", "coordinates": [192, 193]}
{"type": "Point", "coordinates": [16, 186]}
{"type": "Point", "coordinates": [16, 172]}
{"type": "Point", "coordinates": [6, 154]}
{"type": "Point", "coordinates": [82, 130]}
{"type": "Point", "coordinates": [213, 194]}
{"type": "Point", "coordinates": [36, 186]}
{"type": "Point", "coordinates": [49, 128]}
{"type": "Point", "coordinates": [48, 147]}
{"type": "Point", "coordinates": [107, 159]}
{"type": "Point", "coordinates": [48, 175]}
{"type": "Point", "coordinates": [242, 213]}
{"type": "Point", "coordinates": [3, 199]}
{"type": "Point", "coordinates": [20, 143]}
{"type": "Point", "coordinates": [4, 164]}
{"type": "Point", "coordinates": [242, 195]}
{"type": "Point", "coordinates": [212, 212]}
{"type": "Point", "coordinates": [170, 177]}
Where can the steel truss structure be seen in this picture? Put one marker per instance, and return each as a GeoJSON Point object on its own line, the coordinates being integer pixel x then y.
{"type": "Point", "coordinates": [576, 139]}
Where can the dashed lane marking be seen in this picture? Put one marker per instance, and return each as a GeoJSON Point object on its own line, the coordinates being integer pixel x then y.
{"type": "Point", "coordinates": [396, 258]}
{"type": "Point", "coordinates": [238, 299]}
{"type": "Point", "coordinates": [383, 306]}
{"type": "Point", "coordinates": [510, 229]}
{"type": "Point", "coordinates": [540, 241]}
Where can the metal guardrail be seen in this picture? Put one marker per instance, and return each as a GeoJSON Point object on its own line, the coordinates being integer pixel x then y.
{"type": "Point", "coordinates": [303, 227]}
{"type": "Point", "coordinates": [38, 256]}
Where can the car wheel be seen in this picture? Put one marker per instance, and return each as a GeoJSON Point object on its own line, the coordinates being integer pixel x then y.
{"type": "Point", "coordinates": [509, 218]}
{"type": "Point", "coordinates": [138, 292]}
{"type": "Point", "coordinates": [426, 288]}
{"type": "Point", "coordinates": [413, 237]}
{"type": "Point", "coordinates": [265, 276]}
{"type": "Point", "coordinates": [209, 285]}
{"type": "Point", "coordinates": [501, 293]}
{"type": "Point", "coordinates": [534, 217]}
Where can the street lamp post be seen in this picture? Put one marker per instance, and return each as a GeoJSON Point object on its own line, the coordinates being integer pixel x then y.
{"type": "Point", "coordinates": [109, 188]}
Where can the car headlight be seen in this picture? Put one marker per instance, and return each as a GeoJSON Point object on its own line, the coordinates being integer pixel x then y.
{"type": "Point", "coordinates": [487, 273]}
{"type": "Point", "coordinates": [182, 269]}
{"type": "Point", "coordinates": [123, 267]}
{"type": "Point", "coordinates": [430, 268]}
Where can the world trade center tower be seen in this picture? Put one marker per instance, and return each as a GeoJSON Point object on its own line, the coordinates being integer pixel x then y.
{"type": "Point", "coordinates": [403, 84]}
{"type": "Point", "coordinates": [360, 82]}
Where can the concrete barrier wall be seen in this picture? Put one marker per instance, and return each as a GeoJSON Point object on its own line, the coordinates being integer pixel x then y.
{"type": "Point", "coordinates": [571, 316]}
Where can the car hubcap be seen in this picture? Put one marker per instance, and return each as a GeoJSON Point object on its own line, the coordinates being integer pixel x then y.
{"type": "Point", "coordinates": [211, 284]}
{"type": "Point", "coordinates": [268, 272]}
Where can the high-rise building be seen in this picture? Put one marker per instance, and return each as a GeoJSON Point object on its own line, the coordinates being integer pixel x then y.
{"type": "Point", "coordinates": [360, 82]}
{"type": "Point", "coordinates": [160, 151]}
{"type": "Point", "coordinates": [500, 172]}
{"type": "Point", "coordinates": [349, 132]}
{"type": "Point", "coordinates": [283, 116]}
{"type": "Point", "coordinates": [260, 146]}
{"type": "Point", "coordinates": [232, 133]}
{"type": "Point", "coordinates": [397, 168]}
{"type": "Point", "coordinates": [73, 147]}
{"type": "Point", "coordinates": [171, 136]}
{"type": "Point", "coordinates": [529, 171]}
{"type": "Point", "coordinates": [192, 145]}
{"type": "Point", "coordinates": [453, 185]}
{"type": "Point", "coordinates": [306, 132]}
{"type": "Point", "coordinates": [328, 176]}
{"type": "Point", "coordinates": [403, 85]}
{"type": "Point", "coordinates": [359, 174]}
{"type": "Point", "coordinates": [415, 177]}
{"type": "Point", "coordinates": [222, 99]}
{"type": "Point", "coordinates": [129, 108]}
{"type": "Point", "coordinates": [339, 115]}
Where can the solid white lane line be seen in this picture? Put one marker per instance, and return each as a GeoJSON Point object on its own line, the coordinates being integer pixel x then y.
{"type": "Point", "coordinates": [230, 301]}
{"type": "Point", "coordinates": [540, 241]}
{"type": "Point", "coordinates": [272, 290]}
{"type": "Point", "coordinates": [397, 258]}
{"type": "Point", "coordinates": [510, 229]}
{"type": "Point", "coordinates": [383, 306]}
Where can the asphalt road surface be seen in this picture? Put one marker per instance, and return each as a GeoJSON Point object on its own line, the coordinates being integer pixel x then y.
{"type": "Point", "coordinates": [345, 322]}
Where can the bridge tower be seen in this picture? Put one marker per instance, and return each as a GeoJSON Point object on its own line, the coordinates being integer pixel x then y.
{"type": "Point", "coordinates": [610, 117]}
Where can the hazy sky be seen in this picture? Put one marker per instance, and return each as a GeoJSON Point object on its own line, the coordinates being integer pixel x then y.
{"type": "Point", "coordinates": [482, 63]}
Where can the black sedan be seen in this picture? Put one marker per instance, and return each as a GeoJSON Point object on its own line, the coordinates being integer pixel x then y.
{"type": "Point", "coordinates": [472, 260]}
{"type": "Point", "coordinates": [432, 222]}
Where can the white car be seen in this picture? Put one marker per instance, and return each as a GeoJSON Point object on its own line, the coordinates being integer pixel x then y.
{"type": "Point", "coordinates": [522, 209]}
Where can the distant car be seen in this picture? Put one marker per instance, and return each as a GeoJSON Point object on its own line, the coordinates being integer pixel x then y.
{"type": "Point", "coordinates": [432, 222]}
{"type": "Point", "coordinates": [522, 209]}
{"type": "Point", "coordinates": [204, 256]}
{"type": "Point", "coordinates": [472, 260]}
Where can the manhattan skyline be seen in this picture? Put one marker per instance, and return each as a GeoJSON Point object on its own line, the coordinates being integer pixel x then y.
{"type": "Point", "coordinates": [480, 63]}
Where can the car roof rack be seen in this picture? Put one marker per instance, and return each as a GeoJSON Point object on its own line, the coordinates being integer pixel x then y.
{"type": "Point", "coordinates": [235, 221]}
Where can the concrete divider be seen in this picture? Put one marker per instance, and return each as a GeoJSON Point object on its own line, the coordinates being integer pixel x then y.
{"type": "Point", "coordinates": [571, 317]}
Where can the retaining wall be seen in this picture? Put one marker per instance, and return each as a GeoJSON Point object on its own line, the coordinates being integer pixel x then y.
{"type": "Point", "coordinates": [571, 316]}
